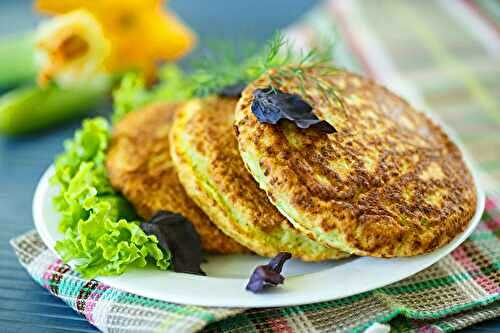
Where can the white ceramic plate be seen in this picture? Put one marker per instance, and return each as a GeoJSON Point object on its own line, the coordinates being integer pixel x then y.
{"type": "Point", "coordinates": [227, 275]}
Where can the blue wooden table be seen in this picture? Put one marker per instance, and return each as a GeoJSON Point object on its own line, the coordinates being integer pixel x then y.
{"type": "Point", "coordinates": [24, 306]}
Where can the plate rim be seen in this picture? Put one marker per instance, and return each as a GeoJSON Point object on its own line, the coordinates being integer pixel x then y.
{"type": "Point", "coordinates": [261, 300]}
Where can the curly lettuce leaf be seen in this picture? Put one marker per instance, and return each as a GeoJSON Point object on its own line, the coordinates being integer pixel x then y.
{"type": "Point", "coordinates": [102, 233]}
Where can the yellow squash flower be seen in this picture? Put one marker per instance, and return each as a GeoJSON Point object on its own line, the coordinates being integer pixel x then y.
{"type": "Point", "coordinates": [71, 49]}
{"type": "Point", "coordinates": [140, 32]}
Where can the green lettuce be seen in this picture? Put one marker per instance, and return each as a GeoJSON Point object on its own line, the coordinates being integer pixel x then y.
{"type": "Point", "coordinates": [174, 85]}
{"type": "Point", "coordinates": [102, 232]}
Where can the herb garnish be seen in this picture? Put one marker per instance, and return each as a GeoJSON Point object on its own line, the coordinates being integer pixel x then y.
{"type": "Point", "coordinates": [272, 105]}
{"type": "Point", "coordinates": [265, 276]}
{"type": "Point", "coordinates": [177, 235]}
{"type": "Point", "coordinates": [221, 68]}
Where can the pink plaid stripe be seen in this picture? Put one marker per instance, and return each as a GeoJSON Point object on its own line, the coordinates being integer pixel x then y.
{"type": "Point", "coordinates": [92, 300]}
{"type": "Point", "coordinates": [464, 260]}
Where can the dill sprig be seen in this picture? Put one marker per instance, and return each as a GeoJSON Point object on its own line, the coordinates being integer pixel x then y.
{"type": "Point", "coordinates": [221, 68]}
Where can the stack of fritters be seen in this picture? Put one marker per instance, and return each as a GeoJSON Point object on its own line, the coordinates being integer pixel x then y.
{"type": "Point", "coordinates": [205, 152]}
{"type": "Point", "coordinates": [139, 165]}
{"type": "Point", "coordinates": [388, 183]}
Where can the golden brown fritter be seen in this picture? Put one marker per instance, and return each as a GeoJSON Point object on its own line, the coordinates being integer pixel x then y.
{"type": "Point", "coordinates": [139, 165]}
{"type": "Point", "coordinates": [388, 183]}
{"type": "Point", "coordinates": [205, 152]}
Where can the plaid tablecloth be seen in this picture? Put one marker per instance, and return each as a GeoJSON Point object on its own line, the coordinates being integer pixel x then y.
{"type": "Point", "coordinates": [443, 56]}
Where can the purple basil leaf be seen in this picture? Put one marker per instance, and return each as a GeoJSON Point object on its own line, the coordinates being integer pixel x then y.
{"type": "Point", "coordinates": [265, 276]}
{"type": "Point", "coordinates": [266, 107]}
{"type": "Point", "coordinates": [270, 106]}
{"type": "Point", "coordinates": [278, 261]}
{"type": "Point", "coordinates": [177, 235]}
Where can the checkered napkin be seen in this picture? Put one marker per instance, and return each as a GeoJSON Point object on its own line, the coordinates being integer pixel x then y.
{"type": "Point", "coordinates": [441, 55]}
{"type": "Point", "coordinates": [459, 290]}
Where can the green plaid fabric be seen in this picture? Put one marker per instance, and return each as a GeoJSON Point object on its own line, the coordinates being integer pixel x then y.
{"type": "Point", "coordinates": [459, 290]}
{"type": "Point", "coordinates": [442, 56]}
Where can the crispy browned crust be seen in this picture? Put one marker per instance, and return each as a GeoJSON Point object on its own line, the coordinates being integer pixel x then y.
{"type": "Point", "coordinates": [205, 152]}
{"type": "Point", "coordinates": [139, 165]}
{"type": "Point", "coordinates": [389, 183]}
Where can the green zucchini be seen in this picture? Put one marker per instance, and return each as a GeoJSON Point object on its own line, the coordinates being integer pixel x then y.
{"type": "Point", "coordinates": [28, 109]}
{"type": "Point", "coordinates": [17, 63]}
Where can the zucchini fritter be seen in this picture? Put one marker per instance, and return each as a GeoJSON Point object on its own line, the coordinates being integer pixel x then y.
{"type": "Point", "coordinates": [388, 183]}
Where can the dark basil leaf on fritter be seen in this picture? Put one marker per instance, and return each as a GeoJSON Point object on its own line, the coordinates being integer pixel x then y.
{"type": "Point", "coordinates": [272, 105]}
{"type": "Point", "coordinates": [268, 275]}
{"type": "Point", "coordinates": [177, 235]}
{"type": "Point", "coordinates": [233, 90]}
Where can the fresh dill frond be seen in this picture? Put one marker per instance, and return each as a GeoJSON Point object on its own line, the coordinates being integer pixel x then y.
{"type": "Point", "coordinates": [218, 67]}
{"type": "Point", "coordinates": [222, 68]}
